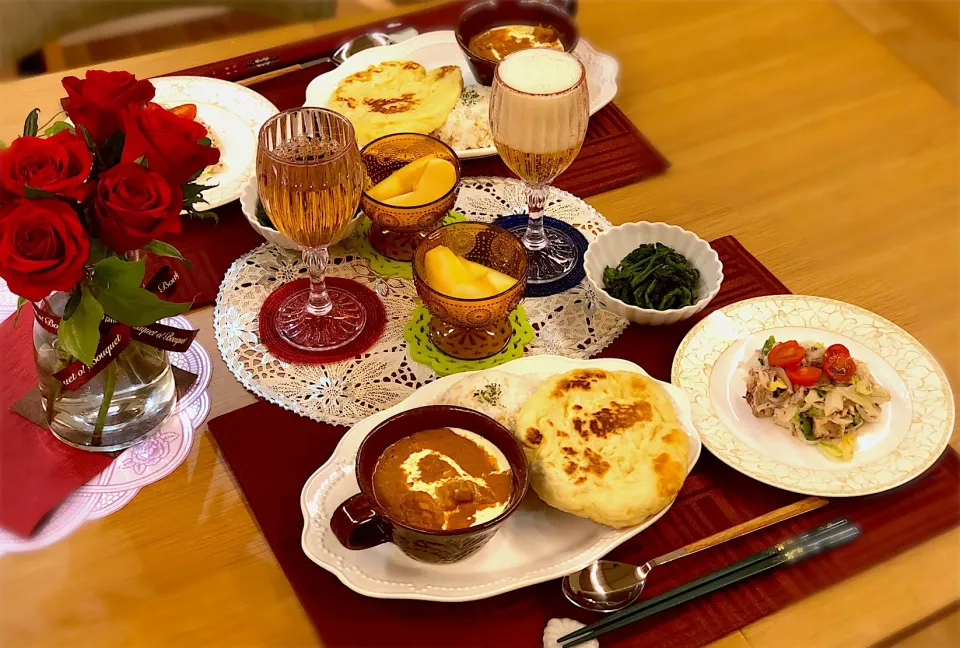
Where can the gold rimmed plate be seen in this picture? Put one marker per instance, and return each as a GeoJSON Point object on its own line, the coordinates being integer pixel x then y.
{"type": "Point", "coordinates": [913, 431]}
{"type": "Point", "coordinates": [233, 116]}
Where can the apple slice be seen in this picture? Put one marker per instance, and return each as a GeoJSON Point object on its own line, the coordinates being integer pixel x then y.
{"type": "Point", "coordinates": [499, 281]}
{"type": "Point", "coordinates": [451, 274]}
{"type": "Point", "coordinates": [437, 179]}
{"type": "Point", "coordinates": [401, 181]}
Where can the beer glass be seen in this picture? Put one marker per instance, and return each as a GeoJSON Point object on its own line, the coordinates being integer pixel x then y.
{"type": "Point", "coordinates": [539, 108]}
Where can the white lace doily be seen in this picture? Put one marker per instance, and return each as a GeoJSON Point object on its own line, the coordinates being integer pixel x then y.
{"type": "Point", "coordinates": [568, 324]}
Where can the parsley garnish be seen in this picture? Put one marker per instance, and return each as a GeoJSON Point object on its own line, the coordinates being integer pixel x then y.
{"type": "Point", "coordinates": [490, 393]}
{"type": "Point", "coordinates": [469, 97]}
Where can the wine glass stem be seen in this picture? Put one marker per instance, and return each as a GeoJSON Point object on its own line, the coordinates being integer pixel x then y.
{"type": "Point", "coordinates": [535, 238]}
{"type": "Point", "coordinates": [319, 303]}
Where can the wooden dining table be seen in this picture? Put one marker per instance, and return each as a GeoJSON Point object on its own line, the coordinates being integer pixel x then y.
{"type": "Point", "coordinates": [787, 126]}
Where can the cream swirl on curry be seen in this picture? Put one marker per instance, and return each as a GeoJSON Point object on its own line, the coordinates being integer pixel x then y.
{"type": "Point", "coordinates": [442, 480]}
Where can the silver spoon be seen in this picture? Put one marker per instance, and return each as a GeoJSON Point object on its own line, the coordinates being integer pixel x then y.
{"type": "Point", "coordinates": [607, 586]}
{"type": "Point", "coordinates": [358, 44]}
{"type": "Point", "coordinates": [345, 51]}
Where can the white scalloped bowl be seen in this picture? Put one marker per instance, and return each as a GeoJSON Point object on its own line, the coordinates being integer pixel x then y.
{"type": "Point", "coordinates": [609, 248]}
{"type": "Point", "coordinates": [248, 204]}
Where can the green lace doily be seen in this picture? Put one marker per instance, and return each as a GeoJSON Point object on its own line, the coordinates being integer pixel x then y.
{"type": "Point", "coordinates": [423, 351]}
{"type": "Point", "coordinates": [383, 266]}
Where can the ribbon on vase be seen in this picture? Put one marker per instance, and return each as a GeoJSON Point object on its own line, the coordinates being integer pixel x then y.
{"type": "Point", "coordinates": [116, 336]}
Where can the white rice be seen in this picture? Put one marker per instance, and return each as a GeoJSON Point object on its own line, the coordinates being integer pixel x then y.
{"type": "Point", "coordinates": [498, 394]}
{"type": "Point", "coordinates": [468, 126]}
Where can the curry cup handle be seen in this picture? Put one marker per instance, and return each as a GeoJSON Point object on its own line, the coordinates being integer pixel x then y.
{"type": "Point", "coordinates": [358, 525]}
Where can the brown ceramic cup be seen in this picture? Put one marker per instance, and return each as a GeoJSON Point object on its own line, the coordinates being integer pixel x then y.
{"type": "Point", "coordinates": [478, 18]}
{"type": "Point", "coordinates": [360, 523]}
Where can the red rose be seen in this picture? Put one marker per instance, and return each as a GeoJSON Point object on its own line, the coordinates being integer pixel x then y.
{"type": "Point", "coordinates": [42, 247]}
{"type": "Point", "coordinates": [100, 102]}
{"type": "Point", "coordinates": [59, 164]}
{"type": "Point", "coordinates": [135, 205]}
{"type": "Point", "coordinates": [169, 142]}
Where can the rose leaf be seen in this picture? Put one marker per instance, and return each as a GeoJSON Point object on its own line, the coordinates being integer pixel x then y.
{"type": "Point", "coordinates": [113, 272]}
{"type": "Point", "coordinates": [88, 138]}
{"type": "Point", "coordinates": [142, 161]}
{"type": "Point", "coordinates": [165, 249]}
{"type": "Point", "coordinates": [73, 303]}
{"type": "Point", "coordinates": [192, 212]}
{"type": "Point", "coordinates": [79, 334]}
{"type": "Point", "coordinates": [136, 306]}
{"type": "Point", "coordinates": [30, 126]}
{"type": "Point", "coordinates": [32, 193]}
{"type": "Point", "coordinates": [205, 141]}
{"type": "Point", "coordinates": [58, 127]}
{"type": "Point", "coordinates": [192, 191]}
{"type": "Point", "coordinates": [112, 149]}
{"type": "Point", "coordinates": [98, 252]}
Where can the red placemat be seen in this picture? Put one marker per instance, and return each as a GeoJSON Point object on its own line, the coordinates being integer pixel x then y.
{"type": "Point", "coordinates": [614, 153]}
{"type": "Point", "coordinates": [271, 472]}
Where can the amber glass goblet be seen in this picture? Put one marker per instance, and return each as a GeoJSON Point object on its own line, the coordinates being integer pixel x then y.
{"type": "Point", "coordinates": [310, 178]}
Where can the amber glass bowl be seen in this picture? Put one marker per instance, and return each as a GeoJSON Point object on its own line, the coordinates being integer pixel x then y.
{"type": "Point", "coordinates": [395, 232]}
{"type": "Point", "coordinates": [471, 329]}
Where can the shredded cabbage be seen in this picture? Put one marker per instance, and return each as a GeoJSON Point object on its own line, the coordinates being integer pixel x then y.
{"type": "Point", "coordinates": [842, 448]}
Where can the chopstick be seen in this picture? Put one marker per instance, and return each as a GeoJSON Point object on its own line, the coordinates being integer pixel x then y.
{"type": "Point", "coordinates": [830, 535]}
{"type": "Point", "coordinates": [273, 74]}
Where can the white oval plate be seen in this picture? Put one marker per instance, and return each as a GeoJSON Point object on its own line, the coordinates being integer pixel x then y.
{"type": "Point", "coordinates": [912, 433]}
{"type": "Point", "coordinates": [435, 49]}
{"type": "Point", "coordinates": [234, 114]}
{"type": "Point", "coordinates": [537, 543]}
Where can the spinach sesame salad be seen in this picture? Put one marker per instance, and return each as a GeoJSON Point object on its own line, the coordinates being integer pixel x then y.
{"type": "Point", "coordinates": [653, 276]}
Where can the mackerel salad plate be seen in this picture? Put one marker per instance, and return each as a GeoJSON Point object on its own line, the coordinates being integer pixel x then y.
{"type": "Point", "coordinates": [535, 544]}
{"type": "Point", "coordinates": [912, 430]}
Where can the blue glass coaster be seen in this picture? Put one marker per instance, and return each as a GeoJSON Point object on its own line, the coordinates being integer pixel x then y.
{"type": "Point", "coordinates": [560, 234]}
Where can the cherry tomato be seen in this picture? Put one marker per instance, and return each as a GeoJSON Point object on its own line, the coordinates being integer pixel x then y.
{"type": "Point", "coordinates": [839, 367]}
{"type": "Point", "coordinates": [804, 376]}
{"type": "Point", "coordinates": [786, 354]}
{"type": "Point", "coordinates": [186, 110]}
{"type": "Point", "coordinates": [836, 350]}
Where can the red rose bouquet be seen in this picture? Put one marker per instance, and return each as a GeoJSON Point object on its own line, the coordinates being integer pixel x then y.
{"type": "Point", "coordinates": [82, 200]}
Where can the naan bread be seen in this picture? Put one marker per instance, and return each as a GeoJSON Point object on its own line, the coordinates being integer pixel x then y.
{"type": "Point", "coordinates": [397, 97]}
{"type": "Point", "coordinates": [604, 445]}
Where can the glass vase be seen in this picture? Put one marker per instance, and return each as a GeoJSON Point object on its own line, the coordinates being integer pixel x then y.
{"type": "Point", "coordinates": [144, 393]}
